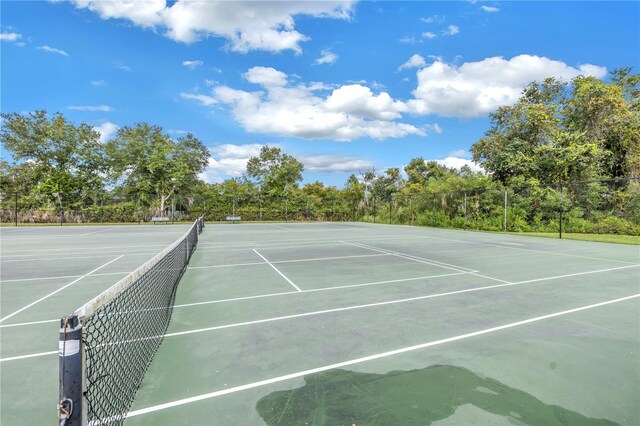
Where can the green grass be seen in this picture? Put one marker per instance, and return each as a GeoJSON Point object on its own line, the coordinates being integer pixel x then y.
{"type": "Point", "coordinates": [602, 238]}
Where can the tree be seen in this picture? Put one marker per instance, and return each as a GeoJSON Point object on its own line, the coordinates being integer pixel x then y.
{"type": "Point", "coordinates": [274, 171]}
{"type": "Point", "coordinates": [52, 155]}
{"type": "Point", "coordinates": [144, 160]}
{"type": "Point", "coordinates": [354, 190]}
{"type": "Point", "coordinates": [417, 172]}
{"type": "Point", "coordinates": [558, 132]}
{"type": "Point", "coordinates": [388, 184]}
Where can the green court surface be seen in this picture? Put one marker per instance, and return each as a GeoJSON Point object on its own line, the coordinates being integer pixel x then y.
{"type": "Point", "coordinates": [343, 323]}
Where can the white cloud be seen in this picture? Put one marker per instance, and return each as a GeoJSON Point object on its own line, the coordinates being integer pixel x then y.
{"type": "Point", "coordinates": [416, 61]}
{"type": "Point", "coordinates": [326, 57]}
{"type": "Point", "coordinates": [192, 64]}
{"type": "Point", "coordinates": [429, 35]}
{"type": "Point", "coordinates": [10, 36]}
{"type": "Point", "coordinates": [229, 160]}
{"type": "Point", "coordinates": [177, 132]}
{"type": "Point", "coordinates": [121, 66]}
{"type": "Point", "coordinates": [106, 130]}
{"type": "Point", "coordinates": [478, 88]}
{"type": "Point", "coordinates": [334, 164]}
{"type": "Point", "coordinates": [489, 9]}
{"type": "Point", "coordinates": [98, 83]}
{"type": "Point", "coordinates": [432, 19]}
{"type": "Point", "coordinates": [247, 26]}
{"type": "Point", "coordinates": [459, 163]}
{"type": "Point", "coordinates": [451, 30]}
{"type": "Point", "coordinates": [349, 112]}
{"type": "Point", "coordinates": [408, 40]}
{"type": "Point", "coordinates": [266, 76]}
{"type": "Point", "coordinates": [435, 128]}
{"type": "Point", "coordinates": [52, 50]}
{"type": "Point", "coordinates": [203, 99]}
{"type": "Point", "coordinates": [103, 108]}
{"type": "Point", "coordinates": [237, 151]}
{"type": "Point", "coordinates": [459, 153]}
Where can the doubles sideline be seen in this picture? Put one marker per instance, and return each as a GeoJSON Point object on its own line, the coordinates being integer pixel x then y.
{"type": "Point", "coordinates": [343, 364]}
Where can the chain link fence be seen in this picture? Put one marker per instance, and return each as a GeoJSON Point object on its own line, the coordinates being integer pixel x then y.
{"type": "Point", "coordinates": [591, 207]}
{"type": "Point", "coordinates": [598, 207]}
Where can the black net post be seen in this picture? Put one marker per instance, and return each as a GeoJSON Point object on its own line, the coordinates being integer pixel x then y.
{"type": "Point", "coordinates": [70, 368]}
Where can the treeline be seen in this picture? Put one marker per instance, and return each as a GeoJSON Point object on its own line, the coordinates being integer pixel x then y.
{"type": "Point", "coordinates": [533, 155]}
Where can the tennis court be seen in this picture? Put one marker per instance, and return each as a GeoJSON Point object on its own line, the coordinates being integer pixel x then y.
{"type": "Point", "coordinates": [343, 323]}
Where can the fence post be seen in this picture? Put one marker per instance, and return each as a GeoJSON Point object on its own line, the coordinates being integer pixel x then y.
{"type": "Point", "coordinates": [504, 221]}
{"type": "Point", "coordinates": [333, 207]}
{"type": "Point", "coordinates": [286, 209]}
{"type": "Point", "coordinates": [16, 208]}
{"type": "Point", "coordinates": [561, 209]}
{"type": "Point", "coordinates": [374, 210]}
{"type": "Point", "coordinates": [434, 209]}
{"type": "Point", "coordinates": [410, 212]}
{"type": "Point", "coordinates": [260, 206]}
{"type": "Point", "coordinates": [102, 210]}
{"type": "Point", "coordinates": [464, 223]}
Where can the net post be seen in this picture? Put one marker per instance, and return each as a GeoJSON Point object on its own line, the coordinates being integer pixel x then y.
{"type": "Point", "coordinates": [70, 363]}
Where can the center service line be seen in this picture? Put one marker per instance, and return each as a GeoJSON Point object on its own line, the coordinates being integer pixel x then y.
{"type": "Point", "coordinates": [276, 269]}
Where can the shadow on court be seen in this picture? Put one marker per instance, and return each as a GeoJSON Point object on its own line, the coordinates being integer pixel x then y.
{"type": "Point", "coordinates": [342, 397]}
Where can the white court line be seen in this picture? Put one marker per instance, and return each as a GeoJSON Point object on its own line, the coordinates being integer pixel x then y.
{"type": "Point", "coordinates": [261, 296]}
{"type": "Point", "coordinates": [469, 290]}
{"type": "Point", "coordinates": [97, 232]}
{"type": "Point", "coordinates": [47, 259]}
{"type": "Point", "coordinates": [368, 358]}
{"type": "Point", "coordinates": [287, 261]}
{"type": "Point", "coordinates": [313, 290]}
{"type": "Point", "coordinates": [278, 242]}
{"type": "Point", "coordinates": [229, 265]}
{"type": "Point", "coordinates": [370, 305]}
{"type": "Point", "coordinates": [66, 250]}
{"type": "Point", "coordinates": [14, 358]}
{"type": "Point", "coordinates": [427, 261]}
{"type": "Point", "coordinates": [526, 249]}
{"type": "Point", "coordinates": [276, 269]}
{"type": "Point", "coordinates": [62, 277]}
{"type": "Point", "coordinates": [424, 259]}
{"type": "Point", "coordinates": [28, 323]}
{"type": "Point", "coordinates": [60, 289]}
{"type": "Point", "coordinates": [282, 227]}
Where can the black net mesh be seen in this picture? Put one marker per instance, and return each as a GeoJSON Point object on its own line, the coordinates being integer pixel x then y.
{"type": "Point", "coordinates": [122, 336]}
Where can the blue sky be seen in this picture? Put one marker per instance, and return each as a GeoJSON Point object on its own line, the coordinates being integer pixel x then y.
{"type": "Point", "coordinates": [343, 86]}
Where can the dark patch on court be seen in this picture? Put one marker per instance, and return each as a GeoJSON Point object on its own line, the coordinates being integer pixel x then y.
{"type": "Point", "coordinates": [423, 396]}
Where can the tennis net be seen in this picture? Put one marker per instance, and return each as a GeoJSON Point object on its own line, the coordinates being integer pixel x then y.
{"type": "Point", "coordinates": [107, 345]}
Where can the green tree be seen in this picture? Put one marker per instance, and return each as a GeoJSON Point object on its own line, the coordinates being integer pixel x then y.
{"type": "Point", "coordinates": [417, 173]}
{"type": "Point", "coordinates": [274, 171]}
{"type": "Point", "coordinates": [144, 160]}
{"type": "Point", "coordinates": [52, 155]}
